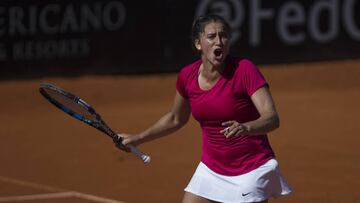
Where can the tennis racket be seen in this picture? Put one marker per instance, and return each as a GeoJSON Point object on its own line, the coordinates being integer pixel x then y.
{"type": "Point", "coordinates": [79, 109]}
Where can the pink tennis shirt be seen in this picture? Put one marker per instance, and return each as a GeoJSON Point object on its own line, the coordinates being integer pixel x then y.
{"type": "Point", "coordinates": [229, 99]}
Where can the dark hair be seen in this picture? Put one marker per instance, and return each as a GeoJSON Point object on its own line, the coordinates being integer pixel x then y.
{"type": "Point", "coordinates": [200, 22]}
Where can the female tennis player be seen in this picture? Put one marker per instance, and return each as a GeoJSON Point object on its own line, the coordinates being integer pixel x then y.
{"type": "Point", "coordinates": [230, 99]}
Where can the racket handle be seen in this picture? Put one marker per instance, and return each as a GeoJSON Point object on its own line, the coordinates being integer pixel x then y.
{"type": "Point", "coordinates": [145, 158]}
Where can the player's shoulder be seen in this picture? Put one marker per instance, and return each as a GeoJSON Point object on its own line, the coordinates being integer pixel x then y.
{"type": "Point", "coordinates": [242, 65]}
{"type": "Point", "coordinates": [240, 62]}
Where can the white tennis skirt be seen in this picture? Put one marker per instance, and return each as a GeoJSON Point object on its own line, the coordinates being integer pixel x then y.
{"type": "Point", "coordinates": [255, 186]}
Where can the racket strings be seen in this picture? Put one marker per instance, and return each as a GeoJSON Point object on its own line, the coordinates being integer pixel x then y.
{"type": "Point", "coordinates": [70, 104]}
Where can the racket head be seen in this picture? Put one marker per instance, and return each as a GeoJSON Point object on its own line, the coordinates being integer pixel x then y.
{"type": "Point", "coordinates": [69, 103]}
{"type": "Point", "coordinates": [79, 109]}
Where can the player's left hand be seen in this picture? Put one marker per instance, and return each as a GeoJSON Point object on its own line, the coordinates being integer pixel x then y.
{"type": "Point", "coordinates": [233, 128]}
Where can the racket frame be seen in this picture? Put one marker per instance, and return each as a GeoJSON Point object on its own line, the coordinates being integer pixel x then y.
{"type": "Point", "coordinates": [98, 123]}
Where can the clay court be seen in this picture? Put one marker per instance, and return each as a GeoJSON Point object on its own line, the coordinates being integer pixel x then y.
{"type": "Point", "coordinates": [48, 157]}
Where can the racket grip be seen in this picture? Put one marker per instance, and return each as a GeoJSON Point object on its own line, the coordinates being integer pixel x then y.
{"type": "Point", "coordinates": [145, 158]}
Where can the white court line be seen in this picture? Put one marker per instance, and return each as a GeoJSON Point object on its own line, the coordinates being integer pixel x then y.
{"type": "Point", "coordinates": [31, 184]}
{"type": "Point", "coordinates": [36, 197]}
{"type": "Point", "coordinates": [61, 193]}
{"type": "Point", "coordinates": [94, 198]}
{"type": "Point", "coordinates": [58, 195]}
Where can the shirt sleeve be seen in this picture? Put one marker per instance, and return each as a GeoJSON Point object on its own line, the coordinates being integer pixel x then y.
{"type": "Point", "coordinates": [180, 84]}
{"type": "Point", "coordinates": [253, 78]}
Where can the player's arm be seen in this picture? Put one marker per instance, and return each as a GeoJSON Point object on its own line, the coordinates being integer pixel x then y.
{"type": "Point", "coordinates": [268, 120]}
{"type": "Point", "coordinates": [169, 123]}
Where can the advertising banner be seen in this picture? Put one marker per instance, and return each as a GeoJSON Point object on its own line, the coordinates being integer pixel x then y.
{"type": "Point", "coordinates": [44, 38]}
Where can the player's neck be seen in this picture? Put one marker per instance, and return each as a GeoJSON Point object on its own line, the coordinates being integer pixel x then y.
{"type": "Point", "coordinates": [210, 72]}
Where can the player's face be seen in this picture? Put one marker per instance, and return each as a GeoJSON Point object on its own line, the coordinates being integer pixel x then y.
{"type": "Point", "coordinates": [214, 43]}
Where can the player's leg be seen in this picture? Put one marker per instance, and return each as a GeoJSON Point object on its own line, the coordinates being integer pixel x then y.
{"type": "Point", "coordinates": [191, 198]}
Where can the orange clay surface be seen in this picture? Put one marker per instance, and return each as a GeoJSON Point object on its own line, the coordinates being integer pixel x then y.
{"type": "Point", "coordinates": [43, 150]}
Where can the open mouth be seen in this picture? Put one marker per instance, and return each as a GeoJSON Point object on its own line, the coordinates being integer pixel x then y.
{"type": "Point", "coordinates": [218, 52]}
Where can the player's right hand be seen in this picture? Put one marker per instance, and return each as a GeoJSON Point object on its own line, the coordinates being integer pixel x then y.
{"type": "Point", "coordinates": [119, 142]}
{"type": "Point", "coordinates": [125, 140]}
